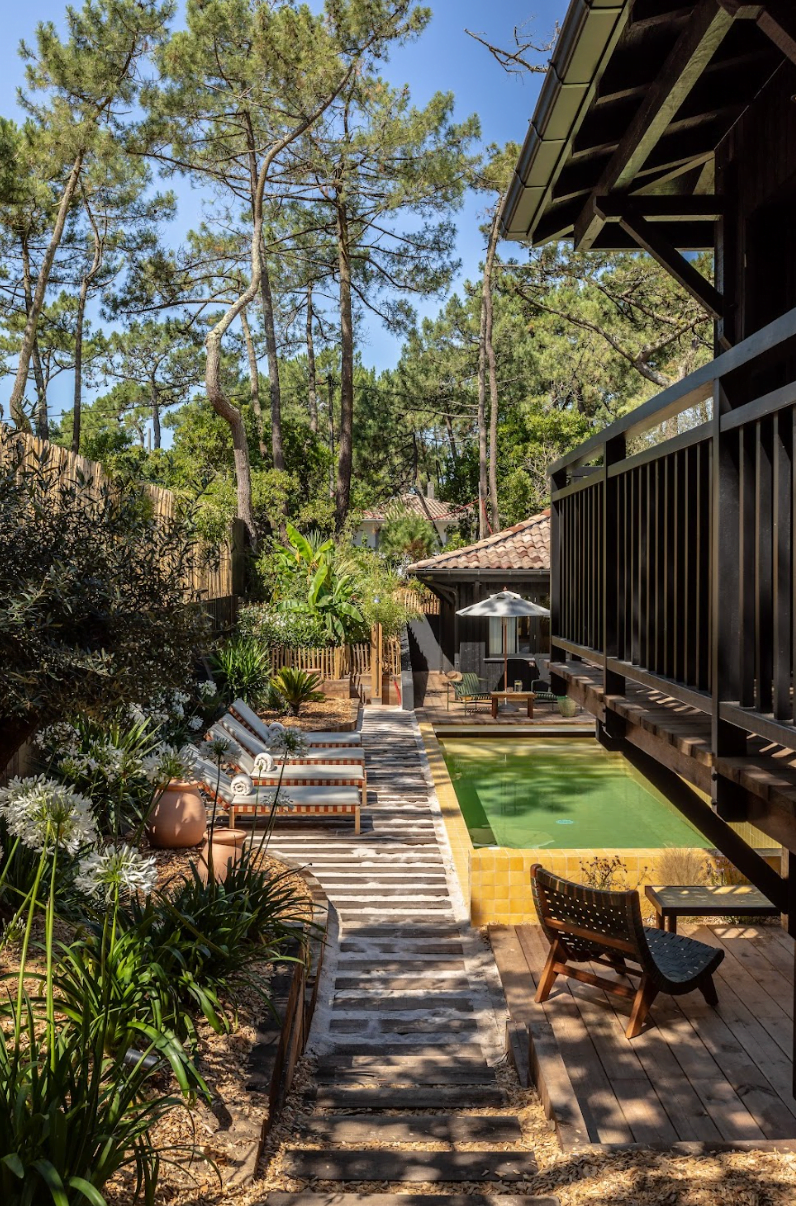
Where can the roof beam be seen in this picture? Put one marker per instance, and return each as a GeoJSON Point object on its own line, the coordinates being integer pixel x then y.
{"type": "Point", "coordinates": [688, 58]}
{"type": "Point", "coordinates": [779, 24]}
{"type": "Point", "coordinates": [668, 207]}
{"type": "Point", "coordinates": [652, 241]}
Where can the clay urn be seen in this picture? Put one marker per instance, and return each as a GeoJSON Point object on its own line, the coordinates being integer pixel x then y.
{"type": "Point", "coordinates": [179, 818]}
{"type": "Point", "coordinates": [227, 846]}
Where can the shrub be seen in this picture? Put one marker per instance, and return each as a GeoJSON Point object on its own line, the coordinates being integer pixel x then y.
{"type": "Point", "coordinates": [297, 687]}
{"type": "Point", "coordinates": [92, 605]}
{"type": "Point", "coordinates": [241, 669]}
{"type": "Point", "coordinates": [274, 627]}
{"type": "Point", "coordinates": [674, 866]}
{"type": "Point", "coordinates": [409, 537]}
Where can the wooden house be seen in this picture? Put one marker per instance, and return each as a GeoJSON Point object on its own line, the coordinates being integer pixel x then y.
{"type": "Point", "coordinates": [671, 127]}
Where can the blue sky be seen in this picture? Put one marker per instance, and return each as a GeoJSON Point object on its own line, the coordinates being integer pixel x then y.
{"type": "Point", "coordinates": [444, 59]}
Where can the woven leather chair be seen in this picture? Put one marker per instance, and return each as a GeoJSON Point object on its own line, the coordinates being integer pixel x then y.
{"type": "Point", "coordinates": [469, 691]}
{"type": "Point", "coordinates": [587, 925]}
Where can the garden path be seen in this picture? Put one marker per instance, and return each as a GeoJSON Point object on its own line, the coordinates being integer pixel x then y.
{"type": "Point", "coordinates": [411, 1019]}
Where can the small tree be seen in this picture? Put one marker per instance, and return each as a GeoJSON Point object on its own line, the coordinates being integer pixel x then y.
{"type": "Point", "coordinates": [92, 597]}
{"type": "Point", "coordinates": [407, 535]}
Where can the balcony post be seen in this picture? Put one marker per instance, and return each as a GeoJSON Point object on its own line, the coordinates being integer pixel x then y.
{"type": "Point", "coordinates": [727, 740]}
{"type": "Point", "coordinates": [612, 576]}
{"type": "Point", "coordinates": [557, 654]}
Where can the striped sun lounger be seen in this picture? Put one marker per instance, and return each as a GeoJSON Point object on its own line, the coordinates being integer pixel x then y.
{"type": "Point", "coordinates": [266, 771]}
{"type": "Point", "coordinates": [240, 795]}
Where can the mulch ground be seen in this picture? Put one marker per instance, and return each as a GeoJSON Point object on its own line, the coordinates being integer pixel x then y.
{"type": "Point", "coordinates": [331, 714]}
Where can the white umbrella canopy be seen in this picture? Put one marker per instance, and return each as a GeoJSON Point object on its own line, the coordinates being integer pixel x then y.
{"type": "Point", "coordinates": [505, 605]}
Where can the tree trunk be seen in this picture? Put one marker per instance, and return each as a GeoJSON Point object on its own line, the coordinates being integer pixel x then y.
{"type": "Point", "coordinates": [451, 439]}
{"type": "Point", "coordinates": [14, 732]}
{"type": "Point", "coordinates": [31, 324]}
{"type": "Point", "coordinates": [490, 360]}
{"type": "Point", "coordinates": [254, 383]}
{"type": "Point", "coordinates": [345, 435]}
{"type": "Point", "coordinates": [42, 424]}
{"type": "Point", "coordinates": [155, 403]}
{"type": "Point", "coordinates": [482, 441]}
{"type": "Point", "coordinates": [85, 284]}
{"type": "Point", "coordinates": [277, 449]}
{"type": "Point", "coordinates": [330, 394]}
{"type": "Point", "coordinates": [240, 447]}
{"type": "Point", "coordinates": [78, 395]}
{"type": "Point", "coordinates": [312, 380]}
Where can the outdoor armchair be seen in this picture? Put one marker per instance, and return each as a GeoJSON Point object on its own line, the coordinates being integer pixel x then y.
{"type": "Point", "coordinates": [469, 691]}
{"type": "Point", "coordinates": [591, 926]}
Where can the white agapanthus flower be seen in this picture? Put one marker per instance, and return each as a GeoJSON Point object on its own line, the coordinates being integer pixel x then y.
{"type": "Point", "coordinates": [207, 688]}
{"type": "Point", "coordinates": [196, 723]}
{"type": "Point", "coordinates": [106, 872]}
{"type": "Point", "coordinates": [289, 743]}
{"type": "Point", "coordinates": [167, 762]}
{"type": "Point", "coordinates": [40, 812]}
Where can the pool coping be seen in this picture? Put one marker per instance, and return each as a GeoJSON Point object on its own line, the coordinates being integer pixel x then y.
{"type": "Point", "coordinates": [495, 880]}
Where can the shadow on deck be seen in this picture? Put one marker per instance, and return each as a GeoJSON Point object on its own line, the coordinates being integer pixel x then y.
{"type": "Point", "coordinates": [715, 1078]}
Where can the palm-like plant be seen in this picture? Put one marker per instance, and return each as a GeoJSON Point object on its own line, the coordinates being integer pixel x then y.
{"type": "Point", "coordinates": [297, 687]}
{"type": "Point", "coordinates": [241, 668]}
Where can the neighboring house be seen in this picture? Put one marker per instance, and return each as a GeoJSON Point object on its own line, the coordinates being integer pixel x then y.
{"type": "Point", "coordinates": [517, 559]}
{"type": "Point", "coordinates": [445, 516]}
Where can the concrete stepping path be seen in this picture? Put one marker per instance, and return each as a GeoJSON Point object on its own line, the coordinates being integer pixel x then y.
{"type": "Point", "coordinates": [410, 1022]}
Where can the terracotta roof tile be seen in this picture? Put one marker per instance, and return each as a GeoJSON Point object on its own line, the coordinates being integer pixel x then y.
{"type": "Point", "coordinates": [410, 502]}
{"type": "Point", "coordinates": [526, 546]}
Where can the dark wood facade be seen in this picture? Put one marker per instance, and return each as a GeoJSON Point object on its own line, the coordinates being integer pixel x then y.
{"type": "Point", "coordinates": [671, 127]}
{"type": "Point", "coordinates": [464, 641]}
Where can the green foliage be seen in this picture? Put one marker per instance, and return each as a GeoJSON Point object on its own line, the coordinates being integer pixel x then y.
{"type": "Point", "coordinates": [309, 581]}
{"type": "Point", "coordinates": [241, 669]}
{"type": "Point", "coordinates": [92, 611]}
{"type": "Point", "coordinates": [297, 687]}
{"type": "Point", "coordinates": [273, 627]}
{"type": "Point", "coordinates": [408, 537]}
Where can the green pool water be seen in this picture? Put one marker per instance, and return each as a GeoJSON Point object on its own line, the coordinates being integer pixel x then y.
{"type": "Point", "coordinates": [561, 793]}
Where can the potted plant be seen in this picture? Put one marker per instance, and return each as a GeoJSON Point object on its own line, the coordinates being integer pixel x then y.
{"type": "Point", "coordinates": [566, 706]}
{"type": "Point", "coordinates": [177, 818]}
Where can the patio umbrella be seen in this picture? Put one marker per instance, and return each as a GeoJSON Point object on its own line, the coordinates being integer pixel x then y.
{"type": "Point", "coordinates": [505, 605]}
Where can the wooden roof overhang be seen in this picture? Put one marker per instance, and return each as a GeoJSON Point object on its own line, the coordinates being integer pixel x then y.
{"type": "Point", "coordinates": [620, 152]}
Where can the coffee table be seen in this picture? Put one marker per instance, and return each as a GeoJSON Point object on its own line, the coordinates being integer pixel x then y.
{"type": "Point", "coordinates": [521, 696]}
{"type": "Point", "coordinates": [728, 900]}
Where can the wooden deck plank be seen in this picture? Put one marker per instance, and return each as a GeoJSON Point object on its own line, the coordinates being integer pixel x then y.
{"type": "Point", "coordinates": [582, 1069]}
{"type": "Point", "coordinates": [695, 1074]}
{"type": "Point", "coordinates": [777, 994]}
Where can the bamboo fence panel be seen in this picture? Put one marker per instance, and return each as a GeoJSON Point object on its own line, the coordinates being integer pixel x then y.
{"type": "Point", "coordinates": [208, 577]}
{"type": "Point", "coordinates": [336, 661]}
{"type": "Point", "coordinates": [425, 603]}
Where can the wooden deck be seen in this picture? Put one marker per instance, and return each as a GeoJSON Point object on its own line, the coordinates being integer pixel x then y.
{"type": "Point", "coordinates": [715, 1077]}
{"type": "Point", "coordinates": [433, 706]}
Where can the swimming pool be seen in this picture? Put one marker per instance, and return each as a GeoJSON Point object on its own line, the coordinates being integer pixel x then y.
{"type": "Point", "coordinates": [560, 794]}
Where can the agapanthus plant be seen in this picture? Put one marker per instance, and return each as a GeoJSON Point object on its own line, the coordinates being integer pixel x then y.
{"type": "Point", "coordinates": [113, 872]}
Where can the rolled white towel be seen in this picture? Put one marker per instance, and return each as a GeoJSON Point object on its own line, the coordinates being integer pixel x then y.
{"type": "Point", "coordinates": [241, 785]}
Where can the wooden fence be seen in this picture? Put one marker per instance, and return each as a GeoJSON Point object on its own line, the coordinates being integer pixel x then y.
{"type": "Point", "coordinates": [424, 602]}
{"type": "Point", "coordinates": [212, 575]}
{"type": "Point", "coordinates": [339, 660]}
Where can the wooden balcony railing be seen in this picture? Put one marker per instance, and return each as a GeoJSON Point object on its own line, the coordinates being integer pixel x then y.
{"type": "Point", "coordinates": [672, 543]}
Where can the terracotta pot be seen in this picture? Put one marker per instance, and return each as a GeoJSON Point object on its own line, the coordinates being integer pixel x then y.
{"type": "Point", "coordinates": [179, 819]}
{"type": "Point", "coordinates": [227, 846]}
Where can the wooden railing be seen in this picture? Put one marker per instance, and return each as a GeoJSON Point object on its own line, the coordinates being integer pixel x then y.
{"type": "Point", "coordinates": [672, 556]}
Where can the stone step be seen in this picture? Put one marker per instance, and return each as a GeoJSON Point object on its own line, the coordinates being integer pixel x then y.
{"type": "Point", "coordinates": [451, 946]}
{"type": "Point", "coordinates": [405, 1077]}
{"type": "Point", "coordinates": [413, 932]}
{"type": "Point", "coordinates": [461, 1056]}
{"type": "Point", "coordinates": [395, 984]}
{"type": "Point", "coordinates": [441, 1025]}
{"type": "Point", "coordinates": [374, 1165]}
{"type": "Point", "coordinates": [448, 1052]}
{"type": "Point", "coordinates": [370, 891]}
{"type": "Point", "coordinates": [434, 965]}
{"type": "Point", "coordinates": [408, 1128]}
{"type": "Point", "coordinates": [409, 1097]}
{"type": "Point", "coordinates": [434, 1002]}
{"type": "Point", "coordinates": [405, 1199]}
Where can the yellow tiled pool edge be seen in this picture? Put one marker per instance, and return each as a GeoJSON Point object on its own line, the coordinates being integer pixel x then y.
{"type": "Point", "coordinates": [496, 880]}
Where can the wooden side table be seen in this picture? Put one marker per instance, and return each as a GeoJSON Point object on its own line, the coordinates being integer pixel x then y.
{"type": "Point", "coordinates": [522, 696]}
{"type": "Point", "coordinates": [728, 900]}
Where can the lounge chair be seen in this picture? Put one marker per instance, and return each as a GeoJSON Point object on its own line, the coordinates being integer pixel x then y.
{"type": "Point", "coordinates": [267, 732]}
{"type": "Point", "coordinates": [267, 771]}
{"type": "Point", "coordinates": [469, 691]}
{"type": "Point", "coordinates": [239, 794]}
{"type": "Point", "coordinates": [587, 925]}
{"type": "Point", "coordinates": [331, 755]}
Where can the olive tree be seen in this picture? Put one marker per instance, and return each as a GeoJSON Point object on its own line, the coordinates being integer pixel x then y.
{"type": "Point", "coordinates": [93, 609]}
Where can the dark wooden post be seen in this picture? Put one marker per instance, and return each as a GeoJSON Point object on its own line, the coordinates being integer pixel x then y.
{"type": "Point", "coordinates": [728, 740]}
{"type": "Point", "coordinates": [615, 451]}
{"type": "Point", "coordinates": [557, 654]}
